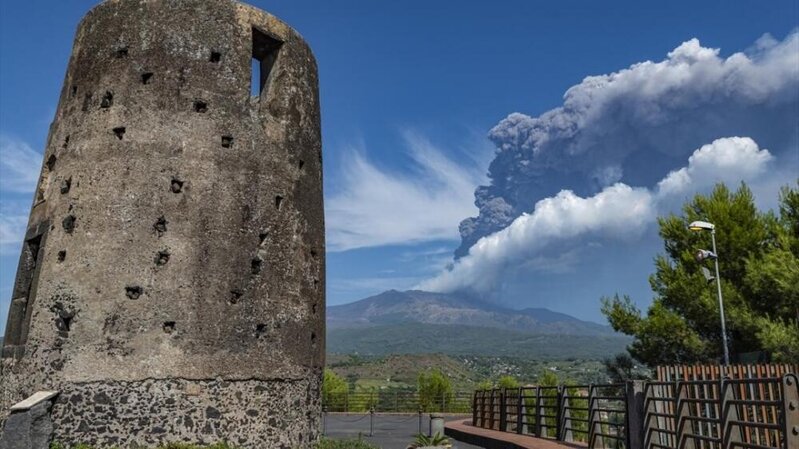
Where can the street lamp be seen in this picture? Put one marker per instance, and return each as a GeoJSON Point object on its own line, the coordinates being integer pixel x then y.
{"type": "Point", "coordinates": [702, 255]}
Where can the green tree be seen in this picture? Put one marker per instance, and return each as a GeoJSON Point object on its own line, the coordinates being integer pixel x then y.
{"type": "Point", "coordinates": [334, 390]}
{"type": "Point", "coordinates": [435, 390]}
{"type": "Point", "coordinates": [759, 270]}
{"type": "Point", "coordinates": [507, 382]}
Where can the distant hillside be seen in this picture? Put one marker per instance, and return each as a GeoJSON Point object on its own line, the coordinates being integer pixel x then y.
{"type": "Point", "coordinates": [417, 322]}
{"type": "Point", "coordinates": [417, 338]}
{"type": "Point", "coordinates": [413, 306]}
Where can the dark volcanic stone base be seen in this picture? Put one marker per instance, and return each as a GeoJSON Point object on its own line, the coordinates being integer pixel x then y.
{"type": "Point", "coordinates": [246, 414]}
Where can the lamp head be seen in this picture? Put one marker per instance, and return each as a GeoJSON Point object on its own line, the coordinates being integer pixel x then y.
{"type": "Point", "coordinates": [701, 226]}
{"type": "Point", "coordinates": [704, 254]}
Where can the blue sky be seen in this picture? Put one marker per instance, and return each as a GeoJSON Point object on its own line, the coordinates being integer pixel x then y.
{"type": "Point", "coordinates": [410, 91]}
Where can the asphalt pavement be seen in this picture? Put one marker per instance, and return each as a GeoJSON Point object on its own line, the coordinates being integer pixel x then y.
{"type": "Point", "coordinates": [388, 430]}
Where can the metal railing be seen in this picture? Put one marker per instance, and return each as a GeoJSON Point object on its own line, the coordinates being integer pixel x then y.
{"type": "Point", "coordinates": [397, 402]}
{"type": "Point", "coordinates": [595, 414]}
{"type": "Point", "coordinates": [702, 414]}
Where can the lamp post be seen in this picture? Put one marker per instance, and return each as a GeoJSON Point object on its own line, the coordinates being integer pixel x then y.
{"type": "Point", "coordinates": [700, 226]}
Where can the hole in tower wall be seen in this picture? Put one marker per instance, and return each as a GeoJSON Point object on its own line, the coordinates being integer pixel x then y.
{"type": "Point", "coordinates": [301, 164]}
{"type": "Point", "coordinates": [235, 296]}
{"type": "Point", "coordinates": [68, 223]}
{"type": "Point", "coordinates": [133, 291]}
{"type": "Point", "coordinates": [66, 142]}
{"type": "Point", "coordinates": [255, 265]}
{"type": "Point", "coordinates": [74, 91]}
{"type": "Point", "coordinates": [66, 184]}
{"type": "Point", "coordinates": [227, 141]}
{"type": "Point", "coordinates": [121, 52]}
{"type": "Point", "coordinates": [146, 77]}
{"type": "Point", "coordinates": [162, 258]}
{"type": "Point", "coordinates": [265, 50]}
{"type": "Point", "coordinates": [160, 225]}
{"type": "Point", "coordinates": [62, 255]}
{"type": "Point", "coordinates": [262, 237]}
{"type": "Point", "coordinates": [51, 162]}
{"type": "Point", "coordinates": [177, 185]}
{"type": "Point", "coordinates": [260, 330]}
{"type": "Point", "coordinates": [108, 100]}
{"type": "Point", "coordinates": [87, 102]}
{"type": "Point", "coordinates": [169, 327]}
{"type": "Point", "coordinates": [200, 106]}
{"type": "Point", "coordinates": [278, 202]}
{"type": "Point", "coordinates": [215, 56]}
{"type": "Point", "coordinates": [119, 132]}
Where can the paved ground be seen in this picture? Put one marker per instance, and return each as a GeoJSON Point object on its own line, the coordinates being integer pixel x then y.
{"type": "Point", "coordinates": [390, 431]}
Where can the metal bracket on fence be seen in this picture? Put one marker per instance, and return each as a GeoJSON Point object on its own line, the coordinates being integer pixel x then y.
{"type": "Point", "coordinates": [731, 432]}
{"type": "Point", "coordinates": [565, 424]}
{"type": "Point", "coordinates": [790, 410]}
{"type": "Point", "coordinates": [681, 418]}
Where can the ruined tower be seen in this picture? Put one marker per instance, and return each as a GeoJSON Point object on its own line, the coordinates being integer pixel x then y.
{"type": "Point", "coordinates": [171, 282]}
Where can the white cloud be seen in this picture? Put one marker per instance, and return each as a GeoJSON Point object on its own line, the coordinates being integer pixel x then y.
{"type": "Point", "coordinates": [728, 159]}
{"type": "Point", "coordinates": [635, 124]}
{"type": "Point", "coordinates": [19, 172]}
{"type": "Point", "coordinates": [19, 166]}
{"type": "Point", "coordinates": [548, 235]}
{"type": "Point", "coordinates": [374, 207]}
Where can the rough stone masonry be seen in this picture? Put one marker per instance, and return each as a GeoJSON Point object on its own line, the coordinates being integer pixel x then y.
{"type": "Point", "coordinates": [171, 282]}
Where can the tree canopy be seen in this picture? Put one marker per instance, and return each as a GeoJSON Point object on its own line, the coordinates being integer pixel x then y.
{"type": "Point", "coordinates": [759, 270]}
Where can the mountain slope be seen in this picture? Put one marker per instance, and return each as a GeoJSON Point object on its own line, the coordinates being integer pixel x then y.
{"type": "Point", "coordinates": [394, 307]}
{"type": "Point", "coordinates": [420, 338]}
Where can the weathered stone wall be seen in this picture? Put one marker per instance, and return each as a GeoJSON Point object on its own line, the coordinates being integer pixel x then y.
{"type": "Point", "coordinates": [174, 261]}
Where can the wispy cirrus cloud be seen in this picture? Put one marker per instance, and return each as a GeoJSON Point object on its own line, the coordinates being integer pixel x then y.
{"type": "Point", "coordinates": [374, 206]}
{"type": "Point", "coordinates": [19, 172]}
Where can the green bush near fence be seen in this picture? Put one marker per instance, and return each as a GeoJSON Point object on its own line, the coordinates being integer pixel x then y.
{"type": "Point", "coordinates": [326, 443]}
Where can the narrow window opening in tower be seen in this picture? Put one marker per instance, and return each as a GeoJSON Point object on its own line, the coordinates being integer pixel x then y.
{"type": "Point", "coordinates": [265, 50]}
{"type": "Point", "coordinates": [22, 296]}
{"type": "Point", "coordinates": [146, 77]}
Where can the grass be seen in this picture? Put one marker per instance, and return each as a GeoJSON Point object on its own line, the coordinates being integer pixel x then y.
{"type": "Point", "coordinates": [326, 443]}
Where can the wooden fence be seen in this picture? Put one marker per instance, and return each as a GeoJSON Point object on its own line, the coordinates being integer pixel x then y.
{"type": "Point", "coordinates": [673, 373]}
{"type": "Point", "coordinates": [754, 407]}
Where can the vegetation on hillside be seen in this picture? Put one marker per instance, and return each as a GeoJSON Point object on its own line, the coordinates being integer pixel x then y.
{"type": "Point", "coordinates": [759, 270]}
{"type": "Point", "coordinates": [457, 340]}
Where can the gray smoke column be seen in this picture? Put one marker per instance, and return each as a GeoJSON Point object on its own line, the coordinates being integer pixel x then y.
{"type": "Point", "coordinates": [638, 124]}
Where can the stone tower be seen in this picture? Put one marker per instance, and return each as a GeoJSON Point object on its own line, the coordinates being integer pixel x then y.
{"type": "Point", "coordinates": [171, 282]}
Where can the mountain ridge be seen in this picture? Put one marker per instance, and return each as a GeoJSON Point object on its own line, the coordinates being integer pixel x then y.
{"type": "Point", "coordinates": [394, 307]}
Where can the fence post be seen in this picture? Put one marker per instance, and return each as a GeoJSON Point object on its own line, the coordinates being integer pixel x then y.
{"type": "Point", "coordinates": [634, 402]}
{"type": "Point", "coordinates": [558, 414]}
{"type": "Point", "coordinates": [520, 413]}
{"type": "Point", "coordinates": [503, 415]}
{"type": "Point", "coordinates": [371, 421]}
{"type": "Point", "coordinates": [420, 420]}
{"type": "Point", "coordinates": [790, 407]}
{"type": "Point", "coordinates": [474, 408]}
{"type": "Point", "coordinates": [538, 411]}
{"type": "Point", "coordinates": [324, 420]}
